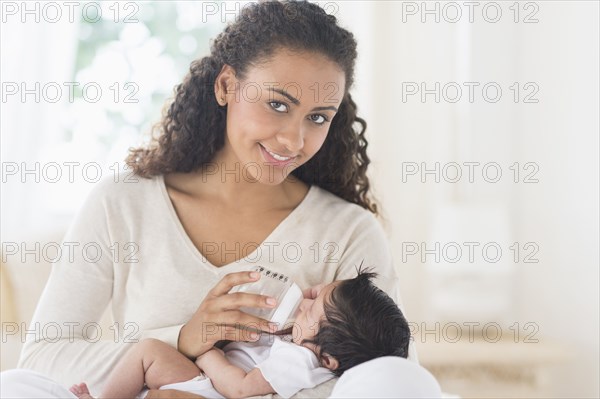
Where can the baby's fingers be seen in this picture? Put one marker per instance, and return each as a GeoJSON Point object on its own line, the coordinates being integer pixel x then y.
{"type": "Point", "coordinates": [79, 389]}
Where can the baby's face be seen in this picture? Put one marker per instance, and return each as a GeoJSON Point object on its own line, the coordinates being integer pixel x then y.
{"type": "Point", "coordinates": [310, 313]}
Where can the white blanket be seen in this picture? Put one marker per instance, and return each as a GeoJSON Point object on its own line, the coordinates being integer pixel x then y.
{"type": "Point", "coordinates": [387, 377]}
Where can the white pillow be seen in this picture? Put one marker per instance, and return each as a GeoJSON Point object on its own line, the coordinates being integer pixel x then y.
{"type": "Point", "coordinates": [387, 377]}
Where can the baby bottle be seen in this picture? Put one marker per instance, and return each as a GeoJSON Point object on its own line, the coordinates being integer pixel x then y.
{"type": "Point", "coordinates": [277, 285]}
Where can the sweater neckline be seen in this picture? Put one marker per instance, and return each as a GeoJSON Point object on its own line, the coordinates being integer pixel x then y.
{"type": "Point", "coordinates": [288, 220]}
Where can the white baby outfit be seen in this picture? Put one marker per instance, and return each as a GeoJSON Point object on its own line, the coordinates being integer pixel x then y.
{"type": "Point", "coordinates": [286, 366]}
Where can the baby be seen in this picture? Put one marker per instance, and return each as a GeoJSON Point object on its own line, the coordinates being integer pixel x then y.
{"type": "Point", "coordinates": [348, 323]}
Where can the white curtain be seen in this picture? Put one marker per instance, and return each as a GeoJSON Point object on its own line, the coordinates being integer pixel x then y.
{"type": "Point", "coordinates": [33, 54]}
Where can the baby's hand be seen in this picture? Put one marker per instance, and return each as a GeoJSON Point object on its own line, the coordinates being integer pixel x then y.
{"type": "Point", "coordinates": [81, 391]}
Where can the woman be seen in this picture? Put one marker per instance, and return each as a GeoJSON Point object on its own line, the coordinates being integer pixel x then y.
{"type": "Point", "coordinates": [257, 162]}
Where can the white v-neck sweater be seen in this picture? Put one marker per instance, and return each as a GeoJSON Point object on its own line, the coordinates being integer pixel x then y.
{"type": "Point", "coordinates": [129, 251]}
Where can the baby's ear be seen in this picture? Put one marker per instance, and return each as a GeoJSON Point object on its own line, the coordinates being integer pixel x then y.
{"type": "Point", "coordinates": [329, 361]}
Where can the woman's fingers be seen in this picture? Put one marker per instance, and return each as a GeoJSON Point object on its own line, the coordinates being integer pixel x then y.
{"type": "Point", "coordinates": [313, 292]}
{"type": "Point", "coordinates": [231, 333]}
{"type": "Point", "coordinates": [220, 300]}
{"type": "Point", "coordinates": [239, 299]}
{"type": "Point", "coordinates": [307, 292]}
{"type": "Point", "coordinates": [237, 326]}
{"type": "Point", "coordinates": [244, 320]}
{"type": "Point", "coordinates": [218, 317]}
{"type": "Point", "coordinates": [235, 319]}
{"type": "Point", "coordinates": [231, 280]}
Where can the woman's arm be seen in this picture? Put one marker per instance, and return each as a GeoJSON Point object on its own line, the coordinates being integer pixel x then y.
{"type": "Point", "coordinates": [65, 340]}
{"type": "Point", "coordinates": [231, 381]}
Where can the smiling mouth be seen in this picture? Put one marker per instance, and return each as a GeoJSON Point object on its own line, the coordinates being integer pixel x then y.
{"type": "Point", "coordinates": [276, 157]}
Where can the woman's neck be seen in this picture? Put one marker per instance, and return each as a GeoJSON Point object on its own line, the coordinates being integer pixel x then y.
{"type": "Point", "coordinates": [216, 184]}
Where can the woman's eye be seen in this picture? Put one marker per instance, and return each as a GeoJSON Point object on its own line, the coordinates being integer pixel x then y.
{"type": "Point", "coordinates": [316, 118]}
{"type": "Point", "coordinates": [323, 119]}
{"type": "Point", "coordinates": [278, 104]}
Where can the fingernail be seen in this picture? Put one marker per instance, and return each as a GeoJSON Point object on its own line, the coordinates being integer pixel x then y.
{"type": "Point", "coordinates": [253, 335]}
{"type": "Point", "coordinates": [254, 275]}
{"type": "Point", "coordinates": [271, 301]}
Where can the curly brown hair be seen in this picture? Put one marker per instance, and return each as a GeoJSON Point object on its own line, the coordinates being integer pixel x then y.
{"type": "Point", "coordinates": [192, 128]}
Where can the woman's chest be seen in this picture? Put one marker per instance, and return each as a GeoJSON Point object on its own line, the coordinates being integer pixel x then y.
{"type": "Point", "coordinates": [224, 235]}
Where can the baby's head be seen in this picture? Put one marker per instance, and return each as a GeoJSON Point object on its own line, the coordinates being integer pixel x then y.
{"type": "Point", "coordinates": [350, 322]}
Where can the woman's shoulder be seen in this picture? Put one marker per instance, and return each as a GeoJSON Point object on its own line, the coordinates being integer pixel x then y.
{"type": "Point", "coordinates": [349, 223]}
{"type": "Point", "coordinates": [124, 184]}
{"type": "Point", "coordinates": [122, 192]}
{"type": "Point", "coordinates": [329, 205]}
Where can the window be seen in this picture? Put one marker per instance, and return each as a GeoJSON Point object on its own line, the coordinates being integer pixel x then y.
{"type": "Point", "coordinates": [86, 89]}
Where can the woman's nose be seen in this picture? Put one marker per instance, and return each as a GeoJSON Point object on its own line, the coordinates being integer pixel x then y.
{"type": "Point", "coordinates": [292, 137]}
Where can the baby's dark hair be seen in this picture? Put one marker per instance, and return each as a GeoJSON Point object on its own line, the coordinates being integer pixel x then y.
{"type": "Point", "coordinates": [362, 323]}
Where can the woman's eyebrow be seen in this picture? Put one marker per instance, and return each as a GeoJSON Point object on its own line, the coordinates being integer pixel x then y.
{"type": "Point", "coordinates": [297, 102]}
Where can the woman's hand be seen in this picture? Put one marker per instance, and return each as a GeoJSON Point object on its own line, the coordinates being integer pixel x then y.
{"type": "Point", "coordinates": [218, 317]}
{"type": "Point", "coordinates": [313, 292]}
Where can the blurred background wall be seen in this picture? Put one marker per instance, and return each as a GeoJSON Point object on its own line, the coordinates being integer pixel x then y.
{"type": "Point", "coordinates": [483, 129]}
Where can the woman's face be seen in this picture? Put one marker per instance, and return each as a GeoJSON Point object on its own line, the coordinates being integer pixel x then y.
{"type": "Point", "coordinates": [279, 116]}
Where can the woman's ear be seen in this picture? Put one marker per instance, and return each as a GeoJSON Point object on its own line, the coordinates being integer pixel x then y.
{"type": "Point", "coordinates": [223, 83]}
{"type": "Point", "coordinates": [329, 361]}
